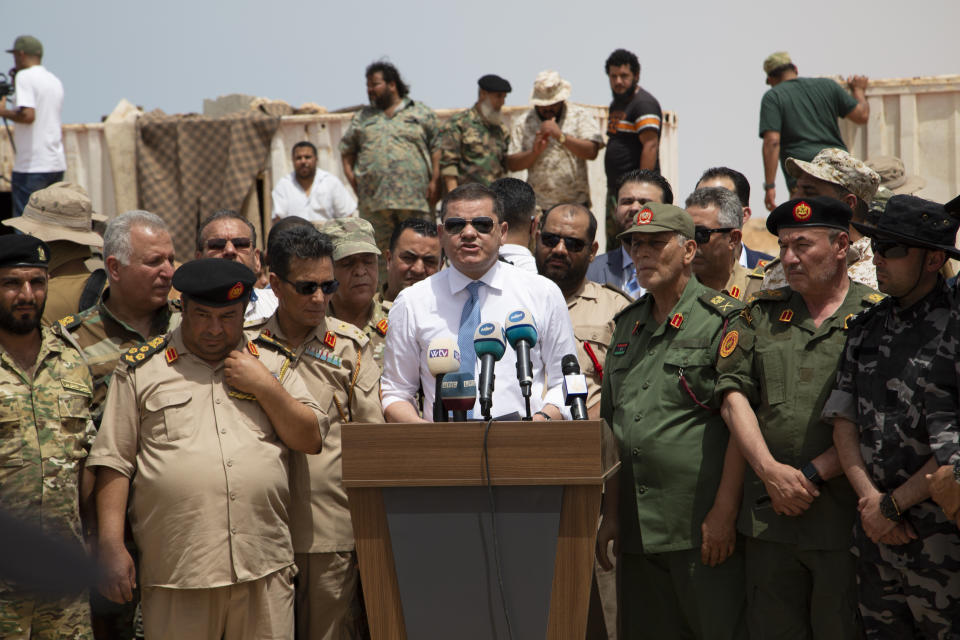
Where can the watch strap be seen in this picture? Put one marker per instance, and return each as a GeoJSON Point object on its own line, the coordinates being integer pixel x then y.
{"type": "Point", "coordinates": [769, 185]}
{"type": "Point", "coordinates": [810, 473]}
{"type": "Point", "coordinates": [889, 508]}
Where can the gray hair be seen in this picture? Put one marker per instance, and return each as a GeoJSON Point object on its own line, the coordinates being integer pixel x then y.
{"type": "Point", "coordinates": [116, 238]}
{"type": "Point", "coordinates": [729, 209]}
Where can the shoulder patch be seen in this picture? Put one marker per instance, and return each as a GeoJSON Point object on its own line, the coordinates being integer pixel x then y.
{"type": "Point", "coordinates": [135, 356]}
{"type": "Point", "coordinates": [274, 344]}
{"type": "Point", "coordinates": [721, 303]}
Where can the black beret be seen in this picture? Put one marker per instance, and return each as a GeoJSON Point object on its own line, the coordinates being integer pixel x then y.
{"type": "Point", "coordinates": [810, 212]}
{"type": "Point", "coordinates": [20, 250]}
{"type": "Point", "coordinates": [215, 282]}
{"type": "Point", "coordinates": [494, 84]}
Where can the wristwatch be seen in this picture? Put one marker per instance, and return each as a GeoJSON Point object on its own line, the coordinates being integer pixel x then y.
{"type": "Point", "coordinates": [769, 185]}
{"type": "Point", "coordinates": [810, 473]}
{"type": "Point", "coordinates": [563, 138]}
{"type": "Point", "coordinates": [545, 415]}
{"type": "Point", "coordinates": [889, 508]}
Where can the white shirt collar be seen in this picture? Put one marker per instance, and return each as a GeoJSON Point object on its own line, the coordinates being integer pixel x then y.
{"type": "Point", "coordinates": [492, 278]}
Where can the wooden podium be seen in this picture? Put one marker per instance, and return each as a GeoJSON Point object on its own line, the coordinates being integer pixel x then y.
{"type": "Point", "coordinates": [444, 463]}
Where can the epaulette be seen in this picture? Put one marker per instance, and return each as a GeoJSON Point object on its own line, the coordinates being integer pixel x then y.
{"type": "Point", "coordinates": [874, 298]}
{"type": "Point", "coordinates": [135, 356]}
{"type": "Point", "coordinates": [348, 330]}
{"type": "Point", "coordinates": [274, 344]}
{"type": "Point", "coordinates": [721, 303]}
{"type": "Point", "coordinates": [757, 272]}
{"type": "Point", "coordinates": [618, 290]}
{"type": "Point", "coordinates": [70, 322]}
{"type": "Point", "coordinates": [768, 295]}
{"type": "Point", "coordinates": [861, 316]}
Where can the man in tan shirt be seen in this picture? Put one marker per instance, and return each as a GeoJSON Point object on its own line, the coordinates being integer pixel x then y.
{"type": "Point", "coordinates": [196, 431]}
{"type": "Point", "coordinates": [335, 360]}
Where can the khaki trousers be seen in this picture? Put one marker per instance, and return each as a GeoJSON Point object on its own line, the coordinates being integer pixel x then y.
{"type": "Point", "coordinates": [256, 610]}
{"type": "Point", "coordinates": [327, 603]}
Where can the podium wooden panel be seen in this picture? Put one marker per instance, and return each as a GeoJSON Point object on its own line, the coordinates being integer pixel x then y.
{"type": "Point", "coordinates": [575, 455]}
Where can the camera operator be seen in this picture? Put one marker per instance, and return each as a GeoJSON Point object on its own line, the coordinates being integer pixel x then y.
{"type": "Point", "coordinates": [37, 137]}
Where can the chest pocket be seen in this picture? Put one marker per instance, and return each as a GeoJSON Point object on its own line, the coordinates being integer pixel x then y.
{"type": "Point", "coordinates": [598, 336]}
{"type": "Point", "coordinates": [74, 412]}
{"type": "Point", "coordinates": [11, 439]}
{"type": "Point", "coordinates": [773, 374]}
{"type": "Point", "coordinates": [696, 364]}
{"type": "Point", "coordinates": [170, 415]}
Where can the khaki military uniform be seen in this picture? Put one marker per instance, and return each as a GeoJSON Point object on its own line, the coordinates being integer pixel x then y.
{"type": "Point", "coordinates": [209, 495]}
{"type": "Point", "coordinates": [592, 308]}
{"type": "Point", "coordinates": [101, 338]}
{"type": "Point", "coordinates": [472, 149]}
{"type": "Point", "coordinates": [658, 396]}
{"type": "Point", "coordinates": [376, 326]}
{"type": "Point", "coordinates": [70, 267]}
{"type": "Point", "coordinates": [337, 368]}
{"type": "Point", "coordinates": [743, 282]}
{"type": "Point", "coordinates": [45, 430]}
{"type": "Point", "coordinates": [800, 572]}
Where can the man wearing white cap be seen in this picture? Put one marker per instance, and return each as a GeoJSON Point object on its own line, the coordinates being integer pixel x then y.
{"type": "Point", "coordinates": [62, 216]}
{"type": "Point", "coordinates": [553, 142]}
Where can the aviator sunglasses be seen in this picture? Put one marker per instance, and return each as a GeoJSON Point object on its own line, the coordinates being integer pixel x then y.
{"type": "Point", "coordinates": [573, 245]}
{"type": "Point", "coordinates": [309, 287]}
{"type": "Point", "coordinates": [482, 224]}
{"type": "Point", "coordinates": [218, 244]}
{"type": "Point", "coordinates": [702, 234]}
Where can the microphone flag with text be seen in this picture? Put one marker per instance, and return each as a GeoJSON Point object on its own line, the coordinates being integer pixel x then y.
{"type": "Point", "coordinates": [574, 387]}
{"type": "Point", "coordinates": [458, 393]}
{"type": "Point", "coordinates": [442, 358]}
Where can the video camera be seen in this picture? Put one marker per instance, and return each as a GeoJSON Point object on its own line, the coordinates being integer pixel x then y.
{"type": "Point", "coordinates": [6, 86]}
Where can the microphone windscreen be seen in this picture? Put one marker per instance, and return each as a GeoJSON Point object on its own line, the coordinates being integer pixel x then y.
{"type": "Point", "coordinates": [520, 326]}
{"type": "Point", "coordinates": [569, 364]}
{"type": "Point", "coordinates": [442, 356]}
{"type": "Point", "coordinates": [488, 339]}
{"type": "Point", "coordinates": [458, 391]}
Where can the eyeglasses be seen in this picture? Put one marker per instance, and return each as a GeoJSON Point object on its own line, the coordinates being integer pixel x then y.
{"type": "Point", "coordinates": [219, 244]}
{"type": "Point", "coordinates": [309, 287]}
{"type": "Point", "coordinates": [702, 234]}
{"type": "Point", "coordinates": [889, 249]}
{"type": "Point", "coordinates": [482, 224]}
{"type": "Point", "coordinates": [573, 245]}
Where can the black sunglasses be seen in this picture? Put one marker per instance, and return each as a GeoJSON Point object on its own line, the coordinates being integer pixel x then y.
{"type": "Point", "coordinates": [219, 244]}
{"type": "Point", "coordinates": [889, 249]}
{"type": "Point", "coordinates": [702, 234]}
{"type": "Point", "coordinates": [573, 245]}
{"type": "Point", "coordinates": [482, 224]}
{"type": "Point", "coordinates": [309, 287]}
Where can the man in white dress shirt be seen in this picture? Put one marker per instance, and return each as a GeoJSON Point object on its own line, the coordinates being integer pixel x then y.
{"type": "Point", "coordinates": [311, 193]}
{"type": "Point", "coordinates": [471, 232]}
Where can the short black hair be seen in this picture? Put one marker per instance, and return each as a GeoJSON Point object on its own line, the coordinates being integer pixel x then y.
{"type": "Point", "coordinates": [285, 223]}
{"type": "Point", "coordinates": [648, 175]}
{"type": "Point", "coordinates": [518, 201]}
{"type": "Point", "coordinates": [298, 241]}
{"type": "Point", "coordinates": [621, 57]}
{"type": "Point", "coordinates": [304, 143]}
{"type": "Point", "coordinates": [591, 225]}
{"type": "Point", "coordinates": [420, 226]}
{"type": "Point", "coordinates": [469, 192]}
{"type": "Point", "coordinates": [220, 214]}
{"type": "Point", "coordinates": [740, 183]}
{"type": "Point", "coordinates": [390, 74]}
{"type": "Point", "coordinates": [778, 72]}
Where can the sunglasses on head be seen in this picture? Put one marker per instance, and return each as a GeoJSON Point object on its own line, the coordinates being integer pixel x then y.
{"type": "Point", "coordinates": [219, 244]}
{"type": "Point", "coordinates": [482, 224]}
{"type": "Point", "coordinates": [309, 287]}
{"type": "Point", "coordinates": [573, 245]}
{"type": "Point", "coordinates": [702, 234]}
{"type": "Point", "coordinates": [888, 249]}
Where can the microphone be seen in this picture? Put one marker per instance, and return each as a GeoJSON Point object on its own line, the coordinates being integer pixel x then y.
{"type": "Point", "coordinates": [522, 335]}
{"type": "Point", "coordinates": [442, 358]}
{"type": "Point", "coordinates": [458, 392]}
{"type": "Point", "coordinates": [574, 387]}
{"type": "Point", "coordinates": [489, 345]}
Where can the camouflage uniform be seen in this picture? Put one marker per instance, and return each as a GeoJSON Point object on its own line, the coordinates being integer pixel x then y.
{"type": "Point", "coordinates": [45, 431]}
{"type": "Point", "coordinates": [862, 269]}
{"type": "Point", "coordinates": [473, 149]}
{"type": "Point", "coordinates": [897, 383]}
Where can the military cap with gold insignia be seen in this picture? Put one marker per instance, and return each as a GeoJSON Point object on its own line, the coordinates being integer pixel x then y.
{"type": "Point", "coordinates": [23, 251]}
{"type": "Point", "coordinates": [214, 282]}
{"type": "Point", "coordinates": [655, 218]}
{"type": "Point", "coordinates": [810, 212]}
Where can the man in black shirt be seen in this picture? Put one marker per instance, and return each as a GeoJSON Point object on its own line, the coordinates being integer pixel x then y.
{"type": "Point", "coordinates": [633, 129]}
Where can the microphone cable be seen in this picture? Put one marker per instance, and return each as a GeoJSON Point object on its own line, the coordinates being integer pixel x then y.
{"type": "Point", "coordinates": [496, 538]}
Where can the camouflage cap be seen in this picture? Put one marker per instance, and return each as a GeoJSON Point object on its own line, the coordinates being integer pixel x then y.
{"type": "Point", "coordinates": [27, 44]}
{"type": "Point", "coordinates": [656, 218]}
{"type": "Point", "coordinates": [350, 236]}
{"type": "Point", "coordinates": [775, 60]}
{"type": "Point", "coordinates": [549, 88]}
{"type": "Point", "coordinates": [840, 168]}
{"type": "Point", "coordinates": [894, 176]}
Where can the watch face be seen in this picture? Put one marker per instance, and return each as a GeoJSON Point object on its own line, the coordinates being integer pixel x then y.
{"type": "Point", "coordinates": [887, 508]}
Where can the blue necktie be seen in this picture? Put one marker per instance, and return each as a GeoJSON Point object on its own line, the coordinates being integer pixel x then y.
{"type": "Point", "coordinates": [633, 287]}
{"type": "Point", "coordinates": [469, 321]}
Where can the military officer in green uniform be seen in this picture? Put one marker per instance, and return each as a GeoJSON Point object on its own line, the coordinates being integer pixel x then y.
{"type": "Point", "coordinates": [672, 509]}
{"type": "Point", "coordinates": [798, 508]}
{"type": "Point", "coordinates": [45, 431]}
{"type": "Point", "coordinates": [473, 144]}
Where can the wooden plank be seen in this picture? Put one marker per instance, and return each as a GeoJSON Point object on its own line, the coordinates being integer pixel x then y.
{"type": "Point", "coordinates": [573, 567]}
{"type": "Point", "coordinates": [378, 573]}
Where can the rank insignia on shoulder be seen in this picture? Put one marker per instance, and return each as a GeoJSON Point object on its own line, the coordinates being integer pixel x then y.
{"type": "Point", "coordinates": [761, 263]}
{"type": "Point", "coordinates": [735, 291]}
{"type": "Point", "coordinates": [620, 348]}
{"type": "Point", "coordinates": [875, 297]}
{"type": "Point", "coordinates": [729, 343]}
{"type": "Point", "coordinates": [786, 316]}
{"type": "Point", "coordinates": [252, 348]}
{"type": "Point", "coordinates": [171, 355]}
{"type": "Point", "coordinates": [68, 322]}
{"type": "Point", "coordinates": [330, 339]}
{"type": "Point", "coordinates": [716, 300]}
{"type": "Point", "coordinates": [382, 327]}
{"type": "Point", "coordinates": [273, 343]}
{"type": "Point", "coordinates": [676, 320]}
{"type": "Point", "coordinates": [770, 294]}
{"type": "Point", "coordinates": [137, 355]}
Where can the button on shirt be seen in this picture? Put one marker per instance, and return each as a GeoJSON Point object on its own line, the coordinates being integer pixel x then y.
{"type": "Point", "coordinates": [209, 495]}
{"type": "Point", "coordinates": [328, 198]}
{"type": "Point", "coordinates": [431, 309]}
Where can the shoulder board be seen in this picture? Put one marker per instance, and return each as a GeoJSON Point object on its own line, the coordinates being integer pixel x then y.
{"type": "Point", "coordinates": [618, 290]}
{"type": "Point", "coordinates": [348, 330]}
{"type": "Point", "coordinates": [135, 356]}
{"type": "Point", "coordinates": [721, 303]}
{"type": "Point", "coordinates": [70, 322]}
{"type": "Point", "coordinates": [274, 344]}
{"type": "Point", "coordinates": [861, 316]}
{"type": "Point", "coordinates": [770, 295]}
{"type": "Point", "coordinates": [874, 298]}
{"type": "Point", "coordinates": [630, 306]}
{"type": "Point", "coordinates": [757, 272]}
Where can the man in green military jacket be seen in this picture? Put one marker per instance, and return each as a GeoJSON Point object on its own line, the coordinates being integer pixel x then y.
{"type": "Point", "coordinates": [798, 508]}
{"type": "Point", "coordinates": [473, 144]}
{"type": "Point", "coordinates": [671, 511]}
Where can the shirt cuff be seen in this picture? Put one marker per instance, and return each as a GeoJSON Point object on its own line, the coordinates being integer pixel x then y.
{"type": "Point", "coordinates": [111, 462]}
